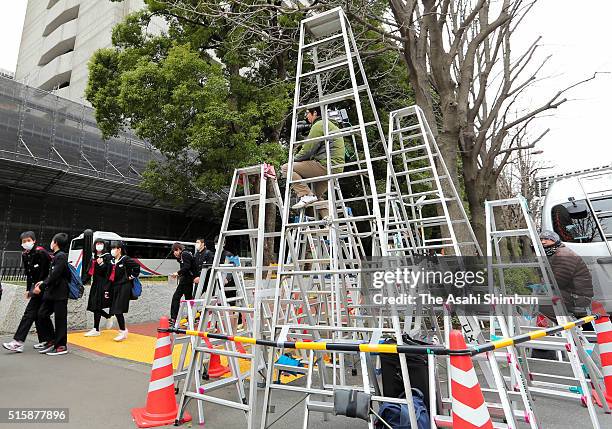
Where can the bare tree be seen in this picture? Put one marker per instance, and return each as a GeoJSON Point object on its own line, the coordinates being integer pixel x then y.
{"type": "Point", "coordinates": [518, 177]}
{"type": "Point", "coordinates": [460, 62]}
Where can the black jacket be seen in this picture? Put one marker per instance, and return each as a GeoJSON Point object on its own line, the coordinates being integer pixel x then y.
{"type": "Point", "coordinates": [125, 268]}
{"type": "Point", "coordinates": [55, 286]}
{"type": "Point", "coordinates": [36, 265]}
{"type": "Point", "coordinates": [187, 267]}
{"type": "Point", "coordinates": [202, 258]}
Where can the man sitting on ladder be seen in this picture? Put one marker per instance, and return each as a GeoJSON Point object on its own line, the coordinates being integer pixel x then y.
{"type": "Point", "coordinates": [311, 161]}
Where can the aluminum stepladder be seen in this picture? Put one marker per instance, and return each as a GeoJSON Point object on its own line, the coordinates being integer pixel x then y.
{"type": "Point", "coordinates": [324, 30]}
{"type": "Point", "coordinates": [189, 314]}
{"type": "Point", "coordinates": [426, 184]}
{"type": "Point", "coordinates": [583, 369]}
{"type": "Point", "coordinates": [217, 311]}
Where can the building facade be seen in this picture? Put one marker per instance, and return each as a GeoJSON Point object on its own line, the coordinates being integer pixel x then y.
{"type": "Point", "coordinates": [60, 36]}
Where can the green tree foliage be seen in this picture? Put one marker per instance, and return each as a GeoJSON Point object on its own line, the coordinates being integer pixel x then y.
{"type": "Point", "coordinates": [212, 93]}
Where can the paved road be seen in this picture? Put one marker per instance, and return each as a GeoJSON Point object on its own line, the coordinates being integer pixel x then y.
{"type": "Point", "coordinates": [101, 390]}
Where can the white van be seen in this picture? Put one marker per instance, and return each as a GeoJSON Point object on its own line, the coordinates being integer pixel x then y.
{"type": "Point", "coordinates": [154, 256]}
{"type": "Point", "coordinates": [570, 209]}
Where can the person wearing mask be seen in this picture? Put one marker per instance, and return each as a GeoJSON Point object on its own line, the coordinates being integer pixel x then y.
{"type": "Point", "coordinates": [185, 276]}
{"type": "Point", "coordinates": [123, 270]}
{"type": "Point", "coordinates": [100, 292]}
{"type": "Point", "coordinates": [571, 273]}
{"type": "Point", "coordinates": [35, 261]}
{"type": "Point", "coordinates": [311, 161]}
{"type": "Point", "coordinates": [54, 292]}
{"type": "Point", "coordinates": [202, 257]}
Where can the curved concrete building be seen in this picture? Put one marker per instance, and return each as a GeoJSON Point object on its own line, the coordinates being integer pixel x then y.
{"type": "Point", "coordinates": [59, 37]}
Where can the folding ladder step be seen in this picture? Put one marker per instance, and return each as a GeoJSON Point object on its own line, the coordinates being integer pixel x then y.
{"type": "Point", "coordinates": [229, 308]}
{"type": "Point", "coordinates": [220, 401]}
{"type": "Point", "coordinates": [414, 171]}
{"type": "Point", "coordinates": [407, 149]}
{"type": "Point", "coordinates": [405, 129]}
{"type": "Point", "coordinates": [426, 180]}
{"type": "Point", "coordinates": [432, 201]}
{"type": "Point", "coordinates": [331, 176]}
{"type": "Point", "coordinates": [326, 69]}
{"type": "Point", "coordinates": [342, 132]}
{"type": "Point", "coordinates": [510, 233]}
{"type": "Point", "coordinates": [223, 352]}
{"type": "Point", "coordinates": [322, 41]}
{"type": "Point", "coordinates": [332, 98]}
{"type": "Point", "coordinates": [518, 264]}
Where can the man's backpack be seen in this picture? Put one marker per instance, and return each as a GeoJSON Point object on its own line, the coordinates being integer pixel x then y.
{"type": "Point", "coordinates": [75, 285]}
{"type": "Point", "coordinates": [396, 415]}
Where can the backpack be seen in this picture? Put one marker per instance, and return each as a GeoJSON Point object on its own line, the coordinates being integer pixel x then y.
{"type": "Point", "coordinates": [136, 288]}
{"type": "Point", "coordinates": [75, 285]}
{"type": "Point", "coordinates": [396, 415]}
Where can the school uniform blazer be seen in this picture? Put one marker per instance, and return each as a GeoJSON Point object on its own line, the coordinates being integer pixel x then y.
{"type": "Point", "coordinates": [55, 286]}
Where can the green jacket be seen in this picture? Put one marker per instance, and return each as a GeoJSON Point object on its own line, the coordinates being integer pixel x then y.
{"type": "Point", "coordinates": [316, 150]}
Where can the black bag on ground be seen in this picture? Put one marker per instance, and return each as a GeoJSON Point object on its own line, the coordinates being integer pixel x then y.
{"type": "Point", "coordinates": [393, 384]}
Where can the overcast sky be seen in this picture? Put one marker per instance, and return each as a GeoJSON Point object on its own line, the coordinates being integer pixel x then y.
{"type": "Point", "coordinates": [576, 34]}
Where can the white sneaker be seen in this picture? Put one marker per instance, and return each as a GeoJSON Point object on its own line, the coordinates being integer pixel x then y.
{"type": "Point", "coordinates": [304, 201]}
{"type": "Point", "coordinates": [122, 335]}
{"type": "Point", "coordinates": [40, 346]}
{"type": "Point", "coordinates": [93, 332]}
{"type": "Point", "coordinates": [110, 322]}
{"type": "Point", "coordinates": [14, 346]}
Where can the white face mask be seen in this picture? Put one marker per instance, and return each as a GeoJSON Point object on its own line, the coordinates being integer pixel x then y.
{"type": "Point", "coordinates": [99, 247]}
{"type": "Point", "coordinates": [28, 246]}
{"type": "Point", "coordinates": [114, 253]}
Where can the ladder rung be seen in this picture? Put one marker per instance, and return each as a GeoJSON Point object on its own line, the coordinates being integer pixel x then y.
{"type": "Point", "coordinates": [432, 201]}
{"type": "Point", "coordinates": [510, 233]}
{"type": "Point", "coordinates": [407, 149]}
{"type": "Point", "coordinates": [223, 352]}
{"type": "Point", "coordinates": [221, 401]}
{"type": "Point", "coordinates": [322, 41]}
{"type": "Point", "coordinates": [409, 128]}
{"type": "Point", "coordinates": [234, 232]}
{"type": "Point", "coordinates": [241, 198]}
{"type": "Point", "coordinates": [332, 98]}
{"type": "Point", "coordinates": [343, 132]}
{"type": "Point", "coordinates": [325, 69]}
{"type": "Point", "coordinates": [517, 264]}
{"type": "Point", "coordinates": [427, 180]}
{"type": "Point", "coordinates": [326, 177]}
{"type": "Point", "coordinates": [413, 171]}
{"type": "Point", "coordinates": [229, 308]}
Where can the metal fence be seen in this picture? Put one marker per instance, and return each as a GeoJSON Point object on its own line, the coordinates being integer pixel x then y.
{"type": "Point", "coordinates": [11, 269]}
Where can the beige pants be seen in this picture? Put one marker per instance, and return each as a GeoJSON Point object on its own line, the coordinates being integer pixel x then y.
{"type": "Point", "coordinates": [308, 170]}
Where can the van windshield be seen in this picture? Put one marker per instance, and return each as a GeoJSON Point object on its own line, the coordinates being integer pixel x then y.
{"type": "Point", "coordinates": [77, 244]}
{"type": "Point", "coordinates": [574, 222]}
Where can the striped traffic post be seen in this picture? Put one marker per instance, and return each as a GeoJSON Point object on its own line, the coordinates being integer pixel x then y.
{"type": "Point", "coordinates": [603, 328]}
{"type": "Point", "coordinates": [469, 407]}
{"type": "Point", "coordinates": [161, 408]}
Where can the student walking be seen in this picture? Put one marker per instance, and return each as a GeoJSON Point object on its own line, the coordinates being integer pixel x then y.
{"type": "Point", "coordinates": [124, 269]}
{"type": "Point", "coordinates": [54, 292]}
{"type": "Point", "coordinates": [100, 292]}
{"type": "Point", "coordinates": [202, 257]}
{"type": "Point", "coordinates": [185, 276]}
{"type": "Point", "coordinates": [35, 261]}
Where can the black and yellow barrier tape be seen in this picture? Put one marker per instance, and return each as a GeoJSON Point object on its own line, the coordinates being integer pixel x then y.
{"type": "Point", "coordinates": [389, 348]}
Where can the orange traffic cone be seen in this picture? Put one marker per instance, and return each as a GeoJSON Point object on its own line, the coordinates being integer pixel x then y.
{"type": "Point", "coordinates": [215, 369]}
{"type": "Point", "coordinates": [469, 408]}
{"type": "Point", "coordinates": [161, 408]}
{"type": "Point", "coordinates": [603, 327]}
